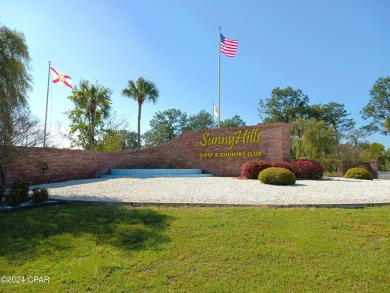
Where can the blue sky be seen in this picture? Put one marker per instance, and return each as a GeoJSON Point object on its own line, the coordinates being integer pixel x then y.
{"type": "Point", "coordinates": [331, 50]}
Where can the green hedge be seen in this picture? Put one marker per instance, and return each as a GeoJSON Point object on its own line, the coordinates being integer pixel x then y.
{"type": "Point", "coordinates": [277, 176]}
{"type": "Point", "coordinates": [359, 173]}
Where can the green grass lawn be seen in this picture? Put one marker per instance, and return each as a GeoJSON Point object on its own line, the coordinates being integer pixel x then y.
{"type": "Point", "coordinates": [97, 248]}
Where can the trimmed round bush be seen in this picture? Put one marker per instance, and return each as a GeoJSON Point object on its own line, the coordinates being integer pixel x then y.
{"type": "Point", "coordinates": [252, 169]}
{"type": "Point", "coordinates": [285, 165]}
{"type": "Point", "coordinates": [39, 195]}
{"type": "Point", "coordinates": [277, 176]}
{"type": "Point", "coordinates": [359, 173]}
{"type": "Point", "coordinates": [307, 169]}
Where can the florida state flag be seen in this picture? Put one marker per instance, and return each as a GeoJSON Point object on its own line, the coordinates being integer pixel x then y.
{"type": "Point", "coordinates": [61, 78]}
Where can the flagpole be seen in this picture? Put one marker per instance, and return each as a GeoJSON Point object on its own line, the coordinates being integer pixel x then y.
{"type": "Point", "coordinates": [212, 114]}
{"type": "Point", "coordinates": [47, 102]}
{"type": "Point", "coordinates": [219, 78]}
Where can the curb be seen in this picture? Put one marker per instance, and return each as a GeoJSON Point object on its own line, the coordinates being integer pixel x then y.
{"type": "Point", "coordinates": [188, 205]}
{"type": "Point", "coordinates": [158, 204]}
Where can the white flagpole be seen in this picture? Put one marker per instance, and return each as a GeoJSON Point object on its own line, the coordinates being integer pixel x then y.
{"type": "Point", "coordinates": [219, 78]}
{"type": "Point", "coordinates": [47, 102]}
{"type": "Point", "coordinates": [212, 113]}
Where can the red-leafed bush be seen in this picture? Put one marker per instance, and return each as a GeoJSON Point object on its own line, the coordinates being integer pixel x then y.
{"type": "Point", "coordinates": [307, 169]}
{"type": "Point", "coordinates": [252, 169]}
{"type": "Point", "coordinates": [285, 165]}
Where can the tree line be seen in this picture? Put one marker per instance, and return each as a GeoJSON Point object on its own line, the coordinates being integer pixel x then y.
{"type": "Point", "coordinates": [322, 132]}
{"type": "Point", "coordinates": [94, 127]}
{"type": "Point", "coordinates": [325, 132]}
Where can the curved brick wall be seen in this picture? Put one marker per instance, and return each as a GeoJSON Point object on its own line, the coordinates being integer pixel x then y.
{"type": "Point", "coordinates": [217, 151]}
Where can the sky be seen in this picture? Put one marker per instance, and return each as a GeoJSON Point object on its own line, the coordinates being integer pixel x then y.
{"type": "Point", "coordinates": [331, 50]}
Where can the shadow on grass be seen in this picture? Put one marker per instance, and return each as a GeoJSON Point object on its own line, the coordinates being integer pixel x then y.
{"type": "Point", "coordinates": [60, 228]}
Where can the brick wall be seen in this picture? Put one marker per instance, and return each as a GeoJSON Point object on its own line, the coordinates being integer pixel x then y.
{"type": "Point", "coordinates": [371, 166]}
{"type": "Point", "coordinates": [217, 151]}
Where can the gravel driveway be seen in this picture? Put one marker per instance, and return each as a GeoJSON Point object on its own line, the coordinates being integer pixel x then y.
{"type": "Point", "coordinates": [222, 190]}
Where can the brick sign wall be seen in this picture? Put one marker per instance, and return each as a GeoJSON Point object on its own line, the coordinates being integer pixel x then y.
{"type": "Point", "coordinates": [217, 151]}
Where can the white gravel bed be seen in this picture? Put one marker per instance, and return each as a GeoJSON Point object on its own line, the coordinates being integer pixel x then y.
{"type": "Point", "coordinates": [222, 190]}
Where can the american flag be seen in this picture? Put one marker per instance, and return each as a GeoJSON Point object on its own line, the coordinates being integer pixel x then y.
{"type": "Point", "coordinates": [228, 47]}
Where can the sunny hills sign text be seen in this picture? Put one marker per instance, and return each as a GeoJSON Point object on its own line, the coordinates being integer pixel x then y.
{"type": "Point", "coordinates": [227, 144]}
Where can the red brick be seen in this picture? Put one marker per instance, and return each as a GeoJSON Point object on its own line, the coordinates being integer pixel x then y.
{"type": "Point", "coordinates": [183, 152]}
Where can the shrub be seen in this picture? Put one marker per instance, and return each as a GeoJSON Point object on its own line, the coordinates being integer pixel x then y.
{"type": "Point", "coordinates": [307, 169]}
{"type": "Point", "coordinates": [39, 195]}
{"type": "Point", "coordinates": [359, 173]}
{"type": "Point", "coordinates": [277, 176]}
{"type": "Point", "coordinates": [252, 169]}
{"type": "Point", "coordinates": [285, 165]}
{"type": "Point", "coordinates": [11, 200]}
{"type": "Point", "coordinates": [2, 191]}
{"type": "Point", "coordinates": [18, 194]}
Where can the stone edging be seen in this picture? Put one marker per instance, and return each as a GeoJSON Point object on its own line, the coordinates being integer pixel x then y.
{"type": "Point", "coordinates": [150, 204]}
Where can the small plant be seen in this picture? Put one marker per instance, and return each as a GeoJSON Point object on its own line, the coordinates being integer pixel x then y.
{"type": "Point", "coordinates": [39, 195]}
{"type": "Point", "coordinates": [20, 188]}
{"type": "Point", "coordinates": [18, 194]}
{"type": "Point", "coordinates": [307, 169]}
{"type": "Point", "coordinates": [252, 169]}
{"type": "Point", "coordinates": [11, 200]}
{"type": "Point", "coordinates": [2, 192]}
{"type": "Point", "coordinates": [285, 165]}
{"type": "Point", "coordinates": [277, 176]}
{"type": "Point", "coordinates": [359, 173]}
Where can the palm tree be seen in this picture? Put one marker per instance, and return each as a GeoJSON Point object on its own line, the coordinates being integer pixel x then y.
{"type": "Point", "coordinates": [142, 90]}
{"type": "Point", "coordinates": [92, 104]}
